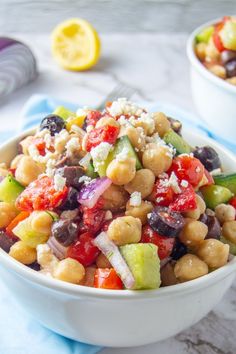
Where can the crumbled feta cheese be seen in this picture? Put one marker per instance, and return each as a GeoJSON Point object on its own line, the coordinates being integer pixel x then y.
{"type": "Point", "coordinates": [135, 199]}
{"type": "Point", "coordinates": [147, 119]}
{"type": "Point", "coordinates": [61, 140]}
{"type": "Point", "coordinates": [72, 146]}
{"type": "Point", "coordinates": [85, 179]}
{"type": "Point", "coordinates": [184, 183]}
{"type": "Point", "coordinates": [101, 151]}
{"type": "Point", "coordinates": [59, 182]}
{"type": "Point", "coordinates": [171, 182]}
{"type": "Point", "coordinates": [46, 259]}
{"type": "Point", "coordinates": [84, 162]}
{"type": "Point", "coordinates": [160, 142]}
{"type": "Point", "coordinates": [50, 167]}
{"type": "Point", "coordinates": [108, 215]}
{"type": "Point", "coordinates": [81, 112]}
{"type": "Point", "coordinates": [125, 107]}
{"type": "Point", "coordinates": [123, 155]}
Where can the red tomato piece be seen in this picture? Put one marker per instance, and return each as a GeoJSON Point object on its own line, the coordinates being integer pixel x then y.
{"type": "Point", "coordinates": [40, 145]}
{"type": "Point", "coordinates": [93, 219]}
{"type": "Point", "coordinates": [209, 178]}
{"type": "Point", "coordinates": [165, 244]}
{"type": "Point", "coordinates": [107, 278]}
{"type": "Point", "coordinates": [184, 201]}
{"type": "Point", "coordinates": [188, 168]}
{"type": "Point", "coordinates": [163, 195]}
{"type": "Point", "coordinates": [233, 202]}
{"type": "Point", "coordinates": [93, 117]}
{"type": "Point", "coordinates": [41, 195]}
{"type": "Point", "coordinates": [106, 134]}
{"type": "Point", "coordinates": [84, 249]}
{"type": "Point", "coordinates": [22, 216]}
{"type": "Point", "coordinates": [216, 37]}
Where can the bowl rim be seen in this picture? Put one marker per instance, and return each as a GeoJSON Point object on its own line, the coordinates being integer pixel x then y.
{"type": "Point", "coordinates": [78, 290]}
{"type": "Point", "coordinates": [199, 66]}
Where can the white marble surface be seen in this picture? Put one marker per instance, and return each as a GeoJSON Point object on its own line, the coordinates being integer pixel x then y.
{"type": "Point", "coordinates": [157, 67]}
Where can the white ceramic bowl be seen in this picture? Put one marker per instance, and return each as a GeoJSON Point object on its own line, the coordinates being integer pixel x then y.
{"type": "Point", "coordinates": [116, 318]}
{"type": "Point", "coordinates": [215, 99]}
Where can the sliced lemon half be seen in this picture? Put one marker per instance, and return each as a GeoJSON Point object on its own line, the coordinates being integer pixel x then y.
{"type": "Point", "coordinates": [75, 44]}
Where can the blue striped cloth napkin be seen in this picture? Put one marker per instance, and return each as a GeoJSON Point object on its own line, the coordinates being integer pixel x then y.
{"type": "Point", "coordinates": [19, 332]}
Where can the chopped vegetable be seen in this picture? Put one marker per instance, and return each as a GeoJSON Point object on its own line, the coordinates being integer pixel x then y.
{"type": "Point", "coordinates": [174, 139]}
{"type": "Point", "coordinates": [106, 278]}
{"type": "Point", "coordinates": [10, 189]}
{"type": "Point", "coordinates": [63, 112]}
{"type": "Point", "coordinates": [31, 237]}
{"type": "Point", "coordinates": [205, 35]}
{"type": "Point", "coordinates": [227, 180]}
{"type": "Point", "coordinates": [188, 168]}
{"type": "Point", "coordinates": [84, 250]}
{"type": "Point", "coordinates": [214, 195]}
{"type": "Point", "coordinates": [97, 136]}
{"type": "Point", "coordinates": [89, 194]}
{"type": "Point", "coordinates": [57, 248]}
{"type": "Point", "coordinates": [22, 216]}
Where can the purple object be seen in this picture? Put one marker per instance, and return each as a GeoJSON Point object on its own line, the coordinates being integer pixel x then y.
{"type": "Point", "coordinates": [89, 194]}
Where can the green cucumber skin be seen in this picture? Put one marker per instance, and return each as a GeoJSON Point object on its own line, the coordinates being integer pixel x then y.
{"type": "Point", "coordinates": [10, 189]}
{"type": "Point", "coordinates": [174, 139]}
{"type": "Point", "coordinates": [226, 180]}
{"type": "Point", "coordinates": [63, 112]}
{"type": "Point", "coordinates": [214, 195]}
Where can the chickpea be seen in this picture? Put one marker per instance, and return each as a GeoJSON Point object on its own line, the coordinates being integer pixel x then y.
{"type": "Point", "coordinates": [121, 171]}
{"type": "Point", "coordinates": [89, 277]}
{"type": "Point", "coordinates": [103, 262]}
{"type": "Point", "coordinates": [25, 143]}
{"type": "Point", "coordinates": [225, 212]}
{"type": "Point", "coordinates": [16, 160]}
{"type": "Point", "coordinates": [124, 230]}
{"type": "Point", "coordinates": [107, 121]}
{"type": "Point", "coordinates": [193, 233]}
{"type": "Point", "coordinates": [69, 270]}
{"type": "Point", "coordinates": [140, 211]}
{"type": "Point", "coordinates": [145, 126]}
{"type": "Point", "coordinates": [42, 221]}
{"type": "Point", "coordinates": [218, 70]}
{"type": "Point", "coordinates": [213, 252]}
{"type": "Point", "coordinates": [27, 171]}
{"type": "Point", "coordinates": [23, 253]}
{"type": "Point", "coordinates": [190, 267]}
{"type": "Point", "coordinates": [136, 136]}
{"type": "Point", "coordinates": [157, 159]}
{"type": "Point", "coordinates": [115, 198]}
{"type": "Point", "coordinates": [196, 213]}
{"type": "Point", "coordinates": [162, 124]}
{"type": "Point", "coordinates": [201, 50]}
{"type": "Point", "coordinates": [229, 231]}
{"type": "Point", "coordinates": [143, 182]}
{"type": "Point", "coordinates": [168, 276]}
{"type": "Point", "coordinates": [7, 214]}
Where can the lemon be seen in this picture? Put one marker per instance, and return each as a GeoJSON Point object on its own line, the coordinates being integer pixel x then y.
{"type": "Point", "coordinates": [75, 44]}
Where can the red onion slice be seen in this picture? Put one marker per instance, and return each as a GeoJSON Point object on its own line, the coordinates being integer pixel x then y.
{"type": "Point", "coordinates": [111, 251]}
{"type": "Point", "coordinates": [89, 194]}
{"type": "Point", "coordinates": [17, 65]}
{"type": "Point", "coordinates": [57, 249]}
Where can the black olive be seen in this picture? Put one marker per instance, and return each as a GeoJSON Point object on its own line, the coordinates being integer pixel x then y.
{"type": "Point", "coordinates": [6, 242]}
{"type": "Point", "coordinates": [166, 222]}
{"type": "Point", "coordinates": [176, 125]}
{"type": "Point", "coordinates": [179, 250]}
{"type": "Point", "coordinates": [227, 55]}
{"type": "Point", "coordinates": [231, 68]}
{"type": "Point", "coordinates": [203, 218]}
{"type": "Point", "coordinates": [34, 266]}
{"type": "Point", "coordinates": [71, 201]}
{"type": "Point", "coordinates": [208, 157]}
{"type": "Point", "coordinates": [53, 123]}
{"type": "Point", "coordinates": [72, 175]}
{"type": "Point", "coordinates": [65, 231]}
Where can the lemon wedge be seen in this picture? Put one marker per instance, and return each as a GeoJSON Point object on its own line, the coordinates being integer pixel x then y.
{"type": "Point", "coordinates": [75, 44]}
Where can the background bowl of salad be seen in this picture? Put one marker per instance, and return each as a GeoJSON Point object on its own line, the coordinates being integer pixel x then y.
{"type": "Point", "coordinates": [211, 50]}
{"type": "Point", "coordinates": [116, 317]}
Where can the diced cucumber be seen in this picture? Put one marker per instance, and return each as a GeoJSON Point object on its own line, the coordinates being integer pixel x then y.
{"type": "Point", "coordinates": [122, 146]}
{"type": "Point", "coordinates": [228, 35]}
{"type": "Point", "coordinates": [174, 139]}
{"type": "Point", "coordinates": [205, 35]}
{"type": "Point", "coordinates": [214, 195]}
{"type": "Point", "coordinates": [10, 189]}
{"type": "Point", "coordinates": [31, 237]}
{"type": "Point", "coordinates": [144, 264]}
{"type": "Point", "coordinates": [90, 171]}
{"type": "Point", "coordinates": [63, 112]}
{"type": "Point", "coordinates": [232, 246]}
{"type": "Point", "coordinates": [227, 180]}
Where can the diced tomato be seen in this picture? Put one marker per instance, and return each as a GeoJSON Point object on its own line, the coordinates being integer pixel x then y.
{"type": "Point", "coordinates": [41, 195]}
{"type": "Point", "coordinates": [162, 194]}
{"type": "Point", "coordinates": [216, 37]}
{"type": "Point", "coordinates": [84, 249]}
{"type": "Point", "coordinates": [233, 202]}
{"type": "Point", "coordinates": [188, 168]}
{"type": "Point", "coordinates": [40, 145]}
{"type": "Point", "coordinates": [93, 117]}
{"type": "Point", "coordinates": [93, 219]}
{"type": "Point", "coordinates": [22, 216]}
{"type": "Point", "coordinates": [106, 278]}
{"type": "Point", "coordinates": [12, 171]}
{"type": "Point", "coordinates": [106, 134]}
{"type": "Point", "coordinates": [209, 178]}
{"type": "Point", "coordinates": [184, 201]}
{"type": "Point", "coordinates": [165, 244]}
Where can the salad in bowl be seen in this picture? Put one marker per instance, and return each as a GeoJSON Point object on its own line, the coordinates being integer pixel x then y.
{"type": "Point", "coordinates": [116, 200]}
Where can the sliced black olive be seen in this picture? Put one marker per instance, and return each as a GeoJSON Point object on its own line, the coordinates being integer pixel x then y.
{"type": "Point", "coordinates": [53, 123]}
{"type": "Point", "coordinates": [231, 68]}
{"type": "Point", "coordinates": [34, 266]}
{"type": "Point", "coordinates": [208, 157]}
{"type": "Point", "coordinates": [179, 250]}
{"type": "Point", "coordinates": [65, 231]}
{"type": "Point", "coordinates": [72, 175]}
{"type": "Point", "coordinates": [6, 242]}
{"type": "Point", "coordinates": [227, 56]}
{"type": "Point", "coordinates": [71, 201]}
{"type": "Point", "coordinates": [175, 124]}
{"type": "Point", "coordinates": [166, 222]}
{"type": "Point", "coordinates": [213, 224]}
